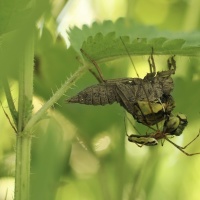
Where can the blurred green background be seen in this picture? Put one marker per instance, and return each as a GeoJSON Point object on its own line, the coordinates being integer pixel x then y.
{"type": "Point", "coordinates": [79, 151]}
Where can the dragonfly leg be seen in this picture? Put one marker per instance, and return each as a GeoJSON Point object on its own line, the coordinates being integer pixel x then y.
{"type": "Point", "coordinates": [151, 62]}
{"type": "Point", "coordinates": [171, 63]}
{"type": "Point", "coordinates": [96, 75]}
{"type": "Point", "coordinates": [96, 65]}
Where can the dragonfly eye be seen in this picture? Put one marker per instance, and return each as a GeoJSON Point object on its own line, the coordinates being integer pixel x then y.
{"type": "Point", "coordinates": [183, 119]}
{"type": "Point", "coordinates": [175, 125]}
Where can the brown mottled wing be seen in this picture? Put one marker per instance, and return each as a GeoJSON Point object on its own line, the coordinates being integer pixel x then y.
{"type": "Point", "coordinates": [135, 95]}
{"type": "Point", "coordinates": [143, 91]}
{"type": "Point", "coordinates": [141, 99]}
{"type": "Point", "coordinates": [163, 79]}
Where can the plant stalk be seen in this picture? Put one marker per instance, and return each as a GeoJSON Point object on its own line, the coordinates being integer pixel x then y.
{"type": "Point", "coordinates": [23, 140]}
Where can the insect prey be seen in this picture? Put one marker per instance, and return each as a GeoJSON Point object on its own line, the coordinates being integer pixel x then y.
{"type": "Point", "coordinates": [173, 126]}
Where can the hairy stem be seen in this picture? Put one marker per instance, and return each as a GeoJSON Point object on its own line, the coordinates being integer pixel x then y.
{"type": "Point", "coordinates": [38, 115]}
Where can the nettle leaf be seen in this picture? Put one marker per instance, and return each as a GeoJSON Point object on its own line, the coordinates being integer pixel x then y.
{"type": "Point", "coordinates": [102, 40]}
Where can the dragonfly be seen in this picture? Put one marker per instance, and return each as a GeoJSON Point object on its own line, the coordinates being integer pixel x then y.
{"type": "Point", "coordinates": [148, 100]}
{"type": "Point", "coordinates": [173, 126]}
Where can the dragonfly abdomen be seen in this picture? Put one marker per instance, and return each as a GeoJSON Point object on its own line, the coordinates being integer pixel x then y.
{"type": "Point", "coordinates": [100, 94]}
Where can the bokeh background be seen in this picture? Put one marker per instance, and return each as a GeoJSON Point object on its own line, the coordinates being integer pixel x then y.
{"type": "Point", "coordinates": [81, 152]}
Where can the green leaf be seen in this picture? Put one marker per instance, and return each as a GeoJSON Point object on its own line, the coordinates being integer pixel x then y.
{"type": "Point", "coordinates": [20, 14]}
{"type": "Point", "coordinates": [102, 41]}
